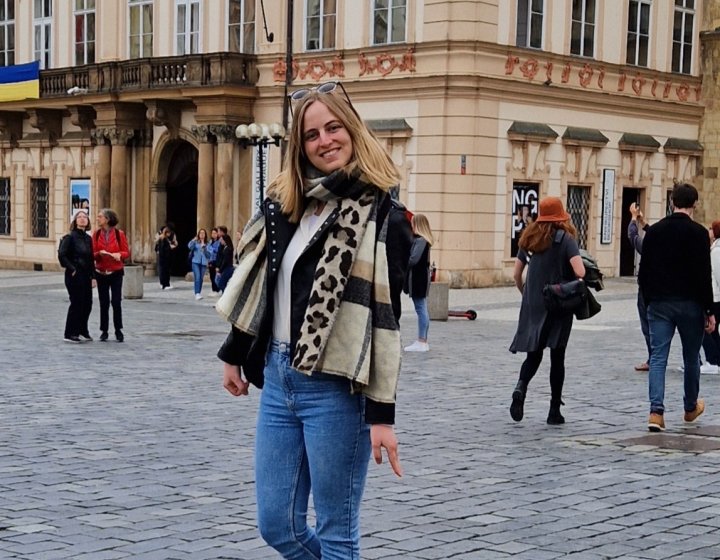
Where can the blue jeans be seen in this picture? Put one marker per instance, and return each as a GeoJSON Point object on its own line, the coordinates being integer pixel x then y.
{"type": "Point", "coordinates": [224, 278]}
{"type": "Point", "coordinates": [311, 436]}
{"type": "Point", "coordinates": [198, 274]}
{"type": "Point", "coordinates": [423, 317]}
{"type": "Point", "coordinates": [664, 316]}
{"type": "Point", "coordinates": [644, 327]}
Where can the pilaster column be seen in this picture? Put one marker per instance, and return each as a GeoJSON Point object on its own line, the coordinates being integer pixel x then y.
{"type": "Point", "coordinates": [119, 192]}
{"type": "Point", "coordinates": [102, 168]}
{"type": "Point", "coordinates": [142, 233]}
{"type": "Point", "coordinates": [225, 135]}
{"type": "Point", "coordinates": [206, 178]}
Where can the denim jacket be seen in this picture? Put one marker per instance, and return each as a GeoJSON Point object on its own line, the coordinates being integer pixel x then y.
{"type": "Point", "coordinates": [200, 255]}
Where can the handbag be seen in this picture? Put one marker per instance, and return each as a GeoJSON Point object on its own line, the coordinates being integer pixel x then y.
{"type": "Point", "coordinates": [565, 297]}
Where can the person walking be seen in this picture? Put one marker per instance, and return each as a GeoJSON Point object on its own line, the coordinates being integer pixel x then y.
{"type": "Point", "coordinates": [548, 249]}
{"type": "Point", "coordinates": [110, 250]}
{"type": "Point", "coordinates": [418, 279]}
{"type": "Point", "coordinates": [638, 223]}
{"type": "Point", "coordinates": [213, 248]}
{"type": "Point", "coordinates": [326, 332]}
{"type": "Point", "coordinates": [199, 258]}
{"type": "Point", "coordinates": [225, 261]}
{"type": "Point", "coordinates": [676, 281]}
{"type": "Point", "coordinates": [76, 257]}
{"type": "Point", "coordinates": [165, 243]}
{"type": "Point", "coordinates": [711, 341]}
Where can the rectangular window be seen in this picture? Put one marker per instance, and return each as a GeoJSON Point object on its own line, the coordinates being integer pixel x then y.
{"type": "Point", "coordinates": [84, 32]}
{"type": "Point", "coordinates": [40, 207]}
{"type": "Point", "coordinates": [188, 27]}
{"type": "Point", "coordinates": [529, 23]}
{"type": "Point", "coordinates": [578, 206]}
{"type": "Point", "coordinates": [241, 26]}
{"type": "Point", "coordinates": [320, 20]}
{"type": "Point", "coordinates": [4, 206]}
{"type": "Point", "coordinates": [7, 32]}
{"type": "Point", "coordinates": [582, 40]}
{"type": "Point", "coordinates": [388, 19]}
{"type": "Point", "coordinates": [42, 31]}
{"type": "Point", "coordinates": [141, 28]}
{"type": "Point", "coordinates": [683, 35]}
{"type": "Point", "coordinates": [524, 211]}
{"type": "Point", "coordinates": [638, 33]}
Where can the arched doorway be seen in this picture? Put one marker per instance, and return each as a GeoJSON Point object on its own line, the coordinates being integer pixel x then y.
{"type": "Point", "coordinates": [181, 184]}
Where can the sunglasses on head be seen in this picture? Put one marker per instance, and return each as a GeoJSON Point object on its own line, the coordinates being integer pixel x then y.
{"type": "Point", "coordinates": [328, 87]}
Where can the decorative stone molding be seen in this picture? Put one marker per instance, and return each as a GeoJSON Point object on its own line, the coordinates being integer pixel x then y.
{"type": "Point", "coordinates": [315, 68]}
{"type": "Point", "coordinates": [165, 114]}
{"type": "Point", "coordinates": [47, 121]}
{"type": "Point", "coordinates": [385, 63]}
{"type": "Point", "coordinates": [116, 136]}
{"type": "Point", "coordinates": [581, 149]}
{"type": "Point", "coordinates": [82, 116]}
{"type": "Point", "coordinates": [223, 132]}
{"type": "Point", "coordinates": [10, 128]}
{"type": "Point", "coordinates": [202, 133]}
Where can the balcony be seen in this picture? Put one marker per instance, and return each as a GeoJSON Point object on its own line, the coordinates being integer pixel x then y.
{"type": "Point", "coordinates": [160, 73]}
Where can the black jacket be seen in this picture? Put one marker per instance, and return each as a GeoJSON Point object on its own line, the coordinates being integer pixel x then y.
{"type": "Point", "coordinates": [398, 253]}
{"type": "Point", "coordinates": [224, 259]}
{"type": "Point", "coordinates": [676, 262]}
{"type": "Point", "coordinates": [249, 352]}
{"type": "Point", "coordinates": [418, 277]}
{"type": "Point", "coordinates": [76, 252]}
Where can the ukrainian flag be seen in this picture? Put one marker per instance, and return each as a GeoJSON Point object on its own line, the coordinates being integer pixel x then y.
{"type": "Point", "coordinates": [21, 81]}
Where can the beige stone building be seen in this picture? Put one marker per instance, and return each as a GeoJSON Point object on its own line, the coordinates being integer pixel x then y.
{"type": "Point", "coordinates": [485, 105]}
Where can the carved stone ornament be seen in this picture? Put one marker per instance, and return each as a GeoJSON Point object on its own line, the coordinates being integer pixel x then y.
{"type": "Point", "coordinates": [223, 132]}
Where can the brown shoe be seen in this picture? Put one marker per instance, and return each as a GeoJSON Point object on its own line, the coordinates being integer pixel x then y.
{"type": "Point", "coordinates": [642, 367]}
{"type": "Point", "coordinates": [656, 422]}
{"type": "Point", "coordinates": [693, 414]}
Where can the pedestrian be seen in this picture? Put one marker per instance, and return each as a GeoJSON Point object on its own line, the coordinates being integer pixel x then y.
{"type": "Point", "coordinates": [225, 261]}
{"type": "Point", "coordinates": [199, 258]}
{"type": "Point", "coordinates": [76, 257]}
{"type": "Point", "coordinates": [213, 248]}
{"type": "Point", "coordinates": [711, 341]}
{"type": "Point", "coordinates": [637, 224]}
{"type": "Point", "coordinates": [110, 251]}
{"type": "Point", "coordinates": [399, 251]}
{"type": "Point", "coordinates": [164, 245]}
{"type": "Point", "coordinates": [547, 247]}
{"type": "Point", "coordinates": [327, 333]}
{"type": "Point", "coordinates": [675, 278]}
{"type": "Point", "coordinates": [417, 283]}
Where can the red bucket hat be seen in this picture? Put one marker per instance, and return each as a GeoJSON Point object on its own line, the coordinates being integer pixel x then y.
{"type": "Point", "coordinates": [552, 210]}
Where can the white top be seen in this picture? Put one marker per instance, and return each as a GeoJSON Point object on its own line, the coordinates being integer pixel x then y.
{"type": "Point", "coordinates": [309, 225]}
{"type": "Point", "coordinates": [715, 261]}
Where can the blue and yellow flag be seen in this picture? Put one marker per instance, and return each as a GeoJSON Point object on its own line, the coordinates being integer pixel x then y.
{"type": "Point", "coordinates": [21, 81]}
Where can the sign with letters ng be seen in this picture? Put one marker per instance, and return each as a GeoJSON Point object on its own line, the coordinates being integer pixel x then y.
{"type": "Point", "coordinates": [524, 211]}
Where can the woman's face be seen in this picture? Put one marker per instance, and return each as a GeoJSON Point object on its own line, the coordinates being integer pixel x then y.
{"type": "Point", "coordinates": [214, 235]}
{"type": "Point", "coordinates": [326, 141]}
{"type": "Point", "coordinates": [202, 236]}
{"type": "Point", "coordinates": [101, 219]}
{"type": "Point", "coordinates": [81, 220]}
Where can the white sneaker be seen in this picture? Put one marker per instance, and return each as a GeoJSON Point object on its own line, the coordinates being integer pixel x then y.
{"type": "Point", "coordinates": [198, 296]}
{"type": "Point", "coordinates": [214, 294]}
{"type": "Point", "coordinates": [709, 369]}
{"type": "Point", "coordinates": [418, 346]}
{"type": "Point", "coordinates": [168, 287]}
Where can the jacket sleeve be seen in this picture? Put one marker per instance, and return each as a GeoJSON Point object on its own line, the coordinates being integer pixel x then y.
{"type": "Point", "coordinates": [235, 349]}
{"type": "Point", "coordinates": [124, 247]}
{"type": "Point", "coordinates": [379, 413]}
{"type": "Point", "coordinates": [416, 251]}
{"type": "Point", "coordinates": [634, 236]}
{"type": "Point", "coordinates": [64, 253]}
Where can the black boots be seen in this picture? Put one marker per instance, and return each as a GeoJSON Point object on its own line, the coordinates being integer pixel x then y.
{"type": "Point", "coordinates": [554, 416]}
{"type": "Point", "coordinates": [518, 401]}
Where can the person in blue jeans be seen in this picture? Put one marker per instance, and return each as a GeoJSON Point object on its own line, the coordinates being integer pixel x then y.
{"type": "Point", "coordinates": [675, 279]}
{"type": "Point", "coordinates": [418, 279]}
{"type": "Point", "coordinates": [313, 325]}
{"type": "Point", "coordinates": [199, 255]}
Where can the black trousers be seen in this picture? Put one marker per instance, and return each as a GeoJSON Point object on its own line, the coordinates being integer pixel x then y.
{"type": "Point", "coordinates": [213, 273]}
{"type": "Point", "coordinates": [110, 291]}
{"type": "Point", "coordinates": [163, 265]}
{"type": "Point", "coordinates": [79, 287]}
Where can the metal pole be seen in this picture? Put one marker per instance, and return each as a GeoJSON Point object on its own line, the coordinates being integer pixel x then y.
{"type": "Point", "coordinates": [261, 178]}
{"type": "Point", "coordinates": [288, 72]}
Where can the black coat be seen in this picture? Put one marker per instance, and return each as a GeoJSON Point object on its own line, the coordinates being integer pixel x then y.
{"type": "Point", "coordinates": [418, 277]}
{"type": "Point", "coordinates": [76, 252]}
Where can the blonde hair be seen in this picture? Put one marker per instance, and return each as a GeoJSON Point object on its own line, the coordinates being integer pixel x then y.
{"type": "Point", "coordinates": [368, 155]}
{"type": "Point", "coordinates": [421, 226]}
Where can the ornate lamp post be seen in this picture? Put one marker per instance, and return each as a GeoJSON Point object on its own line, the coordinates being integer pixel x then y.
{"type": "Point", "coordinates": [260, 135]}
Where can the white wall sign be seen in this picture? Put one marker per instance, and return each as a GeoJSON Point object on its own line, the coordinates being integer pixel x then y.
{"type": "Point", "coordinates": [608, 204]}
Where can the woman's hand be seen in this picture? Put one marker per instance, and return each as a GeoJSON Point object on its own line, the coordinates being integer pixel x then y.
{"type": "Point", "coordinates": [93, 283]}
{"type": "Point", "coordinates": [233, 381]}
{"type": "Point", "coordinates": [383, 435]}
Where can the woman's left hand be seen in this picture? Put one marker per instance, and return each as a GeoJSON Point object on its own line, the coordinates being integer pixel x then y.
{"type": "Point", "coordinates": [383, 435]}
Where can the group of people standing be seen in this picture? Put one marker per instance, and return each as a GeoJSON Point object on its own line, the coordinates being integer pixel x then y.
{"type": "Point", "coordinates": [91, 260]}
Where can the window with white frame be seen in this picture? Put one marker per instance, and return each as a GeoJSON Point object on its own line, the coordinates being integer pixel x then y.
{"type": "Point", "coordinates": [7, 32]}
{"type": "Point", "coordinates": [141, 28]}
{"type": "Point", "coordinates": [84, 31]}
{"type": "Point", "coordinates": [389, 17]}
{"type": "Point", "coordinates": [40, 207]}
{"type": "Point", "coordinates": [582, 37]}
{"type": "Point", "coordinates": [683, 26]}
{"type": "Point", "coordinates": [42, 30]}
{"type": "Point", "coordinates": [320, 22]}
{"type": "Point", "coordinates": [529, 23]}
{"type": "Point", "coordinates": [241, 26]}
{"type": "Point", "coordinates": [638, 33]}
{"type": "Point", "coordinates": [187, 20]}
{"type": "Point", "coordinates": [4, 206]}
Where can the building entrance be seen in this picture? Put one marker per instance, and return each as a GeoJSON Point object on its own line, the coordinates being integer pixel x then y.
{"type": "Point", "coordinates": [627, 252]}
{"type": "Point", "coordinates": [182, 202]}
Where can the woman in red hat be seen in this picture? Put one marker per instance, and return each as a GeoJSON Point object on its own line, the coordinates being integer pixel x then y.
{"type": "Point", "coordinates": [550, 252]}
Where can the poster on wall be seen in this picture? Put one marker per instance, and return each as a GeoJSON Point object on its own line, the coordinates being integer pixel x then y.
{"type": "Point", "coordinates": [524, 211]}
{"type": "Point", "coordinates": [79, 196]}
{"type": "Point", "coordinates": [608, 200]}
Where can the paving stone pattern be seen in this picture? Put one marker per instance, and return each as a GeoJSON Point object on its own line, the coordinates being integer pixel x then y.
{"type": "Point", "coordinates": [134, 451]}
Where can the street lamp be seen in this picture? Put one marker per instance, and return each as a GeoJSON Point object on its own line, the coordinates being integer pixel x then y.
{"type": "Point", "coordinates": [260, 135]}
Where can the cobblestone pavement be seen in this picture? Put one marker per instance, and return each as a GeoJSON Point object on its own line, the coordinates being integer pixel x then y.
{"type": "Point", "coordinates": [112, 451]}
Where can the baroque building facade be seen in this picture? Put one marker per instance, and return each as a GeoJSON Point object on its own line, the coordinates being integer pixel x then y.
{"type": "Point", "coordinates": [484, 105]}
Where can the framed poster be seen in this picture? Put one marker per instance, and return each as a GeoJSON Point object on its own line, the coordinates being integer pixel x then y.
{"type": "Point", "coordinates": [608, 201]}
{"type": "Point", "coordinates": [524, 210]}
{"type": "Point", "coordinates": [79, 196]}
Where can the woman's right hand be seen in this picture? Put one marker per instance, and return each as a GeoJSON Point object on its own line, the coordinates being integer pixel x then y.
{"type": "Point", "coordinates": [233, 381]}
